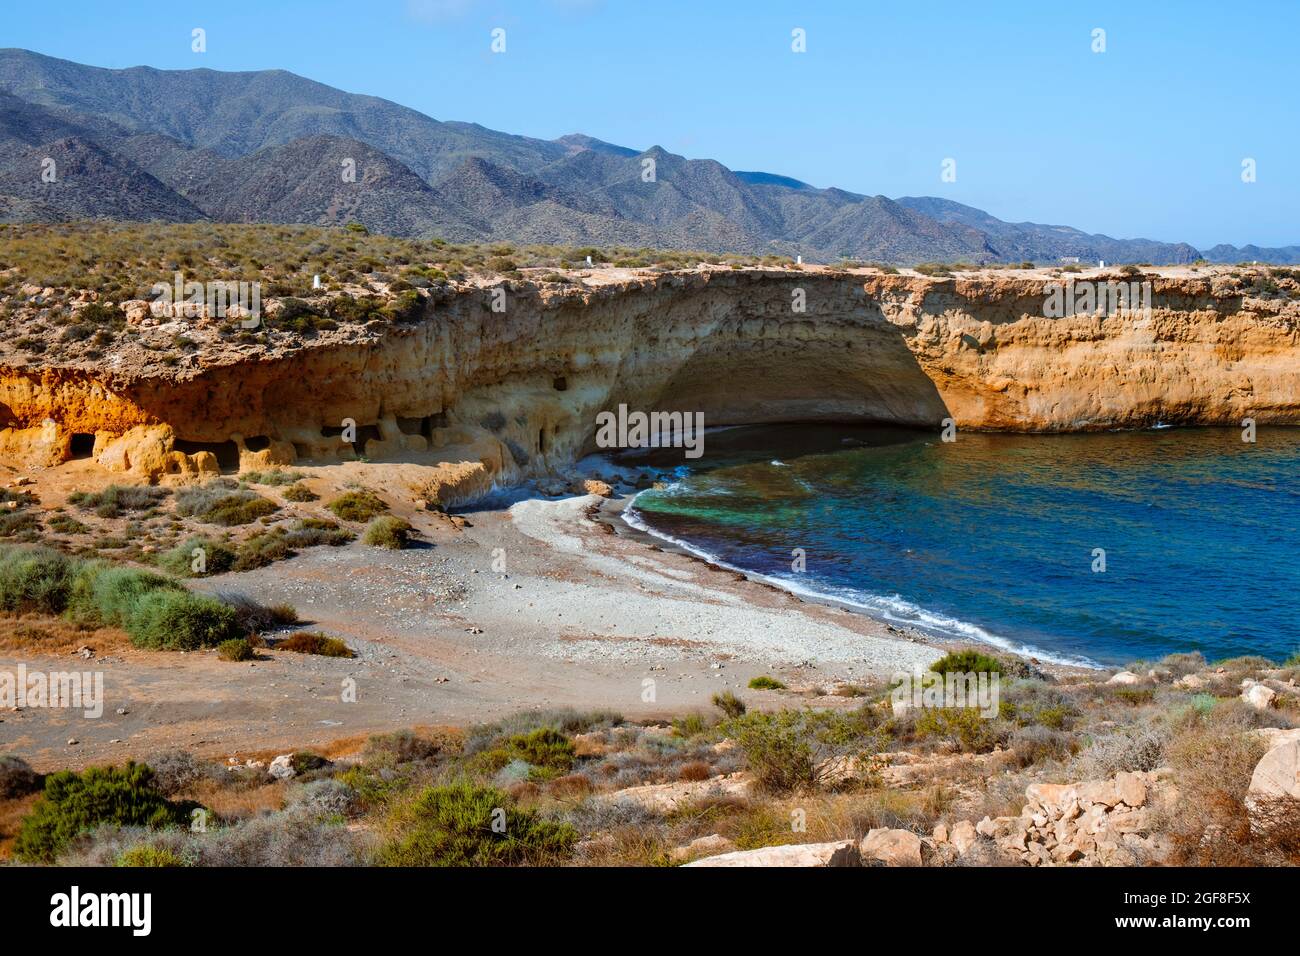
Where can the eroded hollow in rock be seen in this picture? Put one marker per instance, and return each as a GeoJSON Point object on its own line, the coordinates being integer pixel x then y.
{"type": "Point", "coordinates": [81, 446]}
{"type": "Point", "coordinates": [226, 452]}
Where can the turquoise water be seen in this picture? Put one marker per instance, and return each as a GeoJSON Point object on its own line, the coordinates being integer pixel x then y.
{"type": "Point", "coordinates": [992, 537]}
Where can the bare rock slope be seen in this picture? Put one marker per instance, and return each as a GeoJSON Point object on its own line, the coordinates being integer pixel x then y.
{"type": "Point", "coordinates": [484, 397]}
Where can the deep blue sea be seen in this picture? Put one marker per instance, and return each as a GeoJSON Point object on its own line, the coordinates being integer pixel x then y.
{"type": "Point", "coordinates": [993, 537]}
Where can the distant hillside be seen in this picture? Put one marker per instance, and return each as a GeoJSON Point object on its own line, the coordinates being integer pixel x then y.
{"type": "Point", "coordinates": [1232, 254]}
{"type": "Point", "coordinates": [270, 146]}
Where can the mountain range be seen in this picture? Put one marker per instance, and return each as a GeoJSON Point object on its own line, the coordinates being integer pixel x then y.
{"type": "Point", "coordinates": [271, 146]}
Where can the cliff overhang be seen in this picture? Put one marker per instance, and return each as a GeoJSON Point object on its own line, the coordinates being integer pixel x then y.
{"type": "Point", "coordinates": [497, 382]}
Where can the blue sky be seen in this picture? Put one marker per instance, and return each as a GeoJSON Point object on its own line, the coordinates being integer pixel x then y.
{"type": "Point", "coordinates": [1145, 139]}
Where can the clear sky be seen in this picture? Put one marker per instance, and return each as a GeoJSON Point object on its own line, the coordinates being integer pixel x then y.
{"type": "Point", "coordinates": [1144, 139]}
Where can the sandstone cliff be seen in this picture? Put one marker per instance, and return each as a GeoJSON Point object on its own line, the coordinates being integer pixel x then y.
{"type": "Point", "coordinates": [493, 396]}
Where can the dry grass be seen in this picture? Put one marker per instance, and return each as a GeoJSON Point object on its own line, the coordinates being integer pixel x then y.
{"type": "Point", "coordinates": [238, 803]}
{"type": "Point", "coordinates": [36, 634]}
{"type": "Point", "coordinates": [11, 818]}
{"type": "Point", "coordinates": [1213, 758]}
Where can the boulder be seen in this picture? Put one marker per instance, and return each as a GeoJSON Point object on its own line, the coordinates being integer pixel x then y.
{"type": "Point", "coordinates": [1127, 821]}
{"type": "Point", "coordinates": [1275, 736]}
{"type": "Point", "coordinates": [712, 844]}
{"type": "Point", "coordinates": [666, 797]}
{"type": "Point", "coordinates": [282, 767]}
{"type": "Point", "coordinates": [1125, 677]}
{"type": "Point", "coordinates": [1277, 775]}
{"type": "Point", "coordinates": [1050, 796]}
{"type": "Point", "coordinates": [1257, 695]}
{"type": "Point", "coordinates": [1104, 792]}
{"type": "Point", "coordinates": [836, 853]}
{"type": "Point", "coordinates": [963, 836]}
{"type": "Point", "coordinates": [593, 486]}
{"type": "Point", "coordinates": [892, 847]}
{"type": "Point", "coordinates": [1132, 788]}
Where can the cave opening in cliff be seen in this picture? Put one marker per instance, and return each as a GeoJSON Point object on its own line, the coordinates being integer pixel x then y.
{"type": "Point", "coordinates": [366, 433]}
{"type": "Point", "coordinates": [257, 443]}
{"type": "Point", "coordinates": [415, 426]}
{"type": "Point", "coordinates": [82, 446]}
{"type": "Point", "coordinates": [226, 452]}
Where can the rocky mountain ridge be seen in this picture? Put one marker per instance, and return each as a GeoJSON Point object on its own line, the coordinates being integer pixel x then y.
{"type": "Point", "coordinates": [269, 146]}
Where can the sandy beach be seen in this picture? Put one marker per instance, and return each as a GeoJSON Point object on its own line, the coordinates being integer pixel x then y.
{"type": "Point", "coordinates": [538, 605]}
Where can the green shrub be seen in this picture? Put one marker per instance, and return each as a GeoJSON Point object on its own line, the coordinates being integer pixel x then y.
{"type": "Point", "coordinates": [22, 525]}
{"type": "Point", "coordinates": [788, 750]}
{"type": "Point", "coordinates": [691, 725]}
{"type": "Point", "coordinates": [545, 748]}
{"type": "Point", "coordinates": [218, 558]}
{"type": "Point", "coordinates": [310, 532]}
{"type": "Point", "coordinates": [263, 548]}
{"type": "Point", "coordinates": [462, 824]}
{"type": "Point", "coordinates": [34, 580]}
{"type": "Point", "coordinates": [235, 649]}
{"type": "Point", "coordinates": [764, 682]}
{"type": "Point", "coordinates": [962, 726]}
{"type": "Point", "coordinates": [104, 595]}
{"type": "Point", "coordinates": [214, 504]}
{"type": "Point", "coordinates": [145, 855]}
{"type": "Point", "coordinates": [547, 752]}
{"type": "Point", "coordinates": [17, 778]}
{"type": "Point", "coordinates": [66, 524]}
{"type": "Point", "coordinates": [181, 621]}
{"type": "Point", "coordinates": [75, 803]}
{"type": "Point", "coordinates": [387, 531]}
{"type": "Point", "coordinates": [116, 500]}
{"type": "Point", "coordinates": [966, 662]}
{"type": "Point", "coordinates": [358, 506]}
{"type": "Point", "coordinates": [274, 478]}
{"type": "Point", "coordinates": [300, 492]}
{"type": "Point", "coordinates": [310, 642]}
{"type": "Point", "coordinates": [304, 761]}
{"type": "Point", "coordinates": [729, 704]}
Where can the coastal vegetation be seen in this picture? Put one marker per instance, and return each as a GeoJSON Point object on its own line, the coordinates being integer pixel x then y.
{"type": "Point", "coordinates": [596, 789]}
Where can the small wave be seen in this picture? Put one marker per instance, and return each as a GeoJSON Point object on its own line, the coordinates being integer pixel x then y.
{"type": "Point", "coordinates": [895, 609]}
{"type": "Point", "coordinates": [775, 462]}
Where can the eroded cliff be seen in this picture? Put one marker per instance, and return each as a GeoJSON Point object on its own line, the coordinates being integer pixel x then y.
{"type": "Point", "coordinates": [492, 396]}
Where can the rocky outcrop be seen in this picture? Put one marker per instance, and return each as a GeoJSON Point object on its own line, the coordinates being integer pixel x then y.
{"type": "Point", "coordinates": [837, 853]}
{"type": "Point", "coordinates": [667, 797]}
{"type": "Point", "coordinates": [891, 847]}
{"type": "Point", "coordinates": [712, 845]}
{"type": "Point", "coordinates": [1093, 823]}
{"type": "Point", "coordinates": [480, 397]}
{"type": "Point", "coordinates": [1277, 775]}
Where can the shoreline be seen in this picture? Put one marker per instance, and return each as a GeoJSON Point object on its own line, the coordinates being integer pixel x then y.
{"type": "Point", "coordinates": [614, 515]}
{"type": "Point", "coordinates": [579, 618]}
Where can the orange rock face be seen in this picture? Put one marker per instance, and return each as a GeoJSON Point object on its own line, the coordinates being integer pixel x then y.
{"type": "Point", "coordinates": [500, 395]}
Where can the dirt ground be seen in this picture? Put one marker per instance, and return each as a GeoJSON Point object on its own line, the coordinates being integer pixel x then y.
{"type": "Point", "coordinates": [541, 604]}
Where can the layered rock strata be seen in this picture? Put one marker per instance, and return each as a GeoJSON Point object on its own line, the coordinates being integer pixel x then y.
{"type": "Point", "coordinates": [485, 397]}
